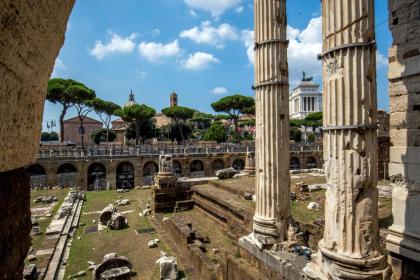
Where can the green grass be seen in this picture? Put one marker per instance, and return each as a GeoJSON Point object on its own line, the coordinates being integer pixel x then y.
{"type": "Point", "coordinates": [300, 211]}
{"type": "Point", "coordinates": [125, 242]}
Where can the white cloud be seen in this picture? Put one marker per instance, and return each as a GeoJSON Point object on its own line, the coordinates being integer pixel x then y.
{"type": "Point", "coordinates": [154, 52]}
{"type": "Point", "coordinates": [248, 39]}
{"type": "Point", "coordinates": [215, 7]}
{"type": "Point", "coordinates": [381, 60]}
{"type": "Point", "coordinates": [239, 9]}
{"type": "Point", "coordinates": [208, 34]}
{"type": "Point", "coordinates": [58, 67]}
{"type": "Point", "coordinates": [155, 32]}
{"type": "Point", "coordinates": [193, 13]}
{"type": "Point", "coordinates": [219, 90]}
{"type": "Point", "coordinates": [199, 60]}
{"type": "Point", "coordinates": [117, 44]}
{"type": "Point", "coordinates": [304, 46]}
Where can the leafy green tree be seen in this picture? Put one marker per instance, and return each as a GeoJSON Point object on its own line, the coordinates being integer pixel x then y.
{"type": "Point", "coordinates": [180, 115]}
{"type": "Point", "coordinates": [295, 134]}
{"type": "Point", "coordinates": [147, 130]}
{"type": "Point", "coordinates": [83, 102]}
{"type": "Point", "coordinates": [49, 136]}
{"type": "Point", "coordinates": [173, 132]}
{"type": "Point", "coordinates": [105, 110]}
{"type": "Point", "coordinates": [65, 93]}
{"type": "Point", "coordinates": [103, 135]}
{"type": "Point", "coordinates": [137, 114]}
{"type": "Point", "coordinates": [313, 120]}
{"type": "Point", "coordinates": [216, 132]}
{"type": "Point", "coordinates": [234, 106]}
{"type": "Point", "coordinates": [311, 137]}
{"type": "Point", "coordinates": [202, 120]}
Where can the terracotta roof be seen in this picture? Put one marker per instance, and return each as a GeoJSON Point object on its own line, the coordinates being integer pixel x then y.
{"type": "Point", "coordinates": [86, 120]}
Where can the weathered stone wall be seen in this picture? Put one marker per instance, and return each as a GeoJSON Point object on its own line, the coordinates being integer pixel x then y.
{"type": "Point", "coordinates": [15, 222]}
{"type": "Point", "coordinates": [31, 35]}
{"type": "Point", "coordinates": [404, 89]}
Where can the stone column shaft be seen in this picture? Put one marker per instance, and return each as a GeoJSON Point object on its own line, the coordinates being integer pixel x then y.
{"type": "Point", "coordinates": [350, 245]}
{"type": "Point", "coordinates": [272, 122]}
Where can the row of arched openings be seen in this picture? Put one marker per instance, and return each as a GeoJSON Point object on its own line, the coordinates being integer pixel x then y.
{"type": "Point", "coordinates": [295, 163]}
{"type": "Point", "coordinates": [96, 174]}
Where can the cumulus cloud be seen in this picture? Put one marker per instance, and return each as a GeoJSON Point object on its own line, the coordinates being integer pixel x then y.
{"type": "Point", "coordinates": [381, 60]}
{"type": "Point", "coordinates": [117, 44]}
{"type": "Point", "coordinates": [211, 35]}
{"type": "Point", "coordinates": [248, 39]}
{"type": "Point", "coordinates": [304, 46]}
{"type": "Point", "coordinates": [219, 90]}
{"type": "Point", "coordinates": [58, 67]}
{"type": "Point", "coordinates": [239, 9]}
{"type": "Point", "coordinates": [215, 7]}
{"type": "Point", "coordinates": [199, 60]}
{"type": "Point", "coordinates": [154, 52]}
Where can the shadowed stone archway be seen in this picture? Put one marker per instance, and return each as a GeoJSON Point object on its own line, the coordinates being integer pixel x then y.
{"type": "Point", "coordinates": [150, 169]}
{"type": "Point", "coordinates": [37, 176]}
{"type": "Point", "coordinates": [96, 177]}
{"type": "Point", "coordinates": [67, 175]}
{"type": "Point", "coordinates": [125, 175]}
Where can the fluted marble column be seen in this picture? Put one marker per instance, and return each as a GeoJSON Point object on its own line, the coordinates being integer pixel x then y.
{"type": "Point", "coordinates": [272, 213]}
{"type": "Point", "coordinates": [350, 245]}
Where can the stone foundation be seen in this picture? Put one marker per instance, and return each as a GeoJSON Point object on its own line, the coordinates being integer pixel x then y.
{"type": "Point", "coordinates": [167, 192]}
{"type": "Point", "coordinates": [15, 222]}
{"type": "Point", "coordinates": [276, 265]}
{"type": "Point", "coordinates": [403, 268]}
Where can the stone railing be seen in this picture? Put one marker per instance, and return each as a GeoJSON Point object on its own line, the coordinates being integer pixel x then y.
{"type": "Point", "coordinates": [127, 151]}
{"type": "Point", "coordinates": [149, 150]}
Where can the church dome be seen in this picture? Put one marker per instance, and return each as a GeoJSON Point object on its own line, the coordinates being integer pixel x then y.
{"type": "Point", "coordinates": [131, 100]}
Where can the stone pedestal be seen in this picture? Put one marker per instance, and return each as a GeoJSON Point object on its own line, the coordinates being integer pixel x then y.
{"type": "Point", "coordinates": [250, 164]}
{"type": "Point", "coordinates": [166, 166]}
{"type": "Point", "coordinates": [350, 245]}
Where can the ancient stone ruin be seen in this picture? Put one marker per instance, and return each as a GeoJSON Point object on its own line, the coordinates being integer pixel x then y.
{"type": "Point", "coordinates": [113, 267]}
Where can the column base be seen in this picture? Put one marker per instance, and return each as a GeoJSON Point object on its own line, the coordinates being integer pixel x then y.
{"type": "Point", "coordinates": [401, 242]}
{"type": "Point", "coordinates": [327, 264]}
{"type": "Point", "coordinates": [274, 264]}
{"type": "Point", "coordinates": [403, 268]}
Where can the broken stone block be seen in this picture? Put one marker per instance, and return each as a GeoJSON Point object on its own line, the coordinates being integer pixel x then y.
{"type": "Point", "coordinates": [152, 244]}
{"type": "Point", "coordinates": [113, 267]}
{"type": "Point", "coordinates": [81, 273]}
{"type": "Point", "coordinates": [123, 202]}
{"type": "Point", "coordinates": [92, 267]}
{"type": "Point", "coordinates": [293, 196]}
{"type": "Point", "coordinates": [317, 187]}
{"type": "Point", "coordinates": [313, 206]}
{"type": "Point", "coordinates": [106, 214]}
{"type": "Point", "coordinates": [30, 272]}
{"type": "Point", "coordinates": [147, 212]}
{"type": "Point", "coordinates": [31, 258]}
{"type": "Point", "coordinates": [168, 268]}
{"type": "Point", "coordinates": [35, 231]}
{"type": "Point", "coordinates": [117, 221]}
{"type": "Point", "coordinates": [248, 196]}
{"type": "Point", "coordinates": [34, 221]}
{"type": "Point", "coordinates": [216, 251]}
{"type": "Point", "coordinates": [227, 173]}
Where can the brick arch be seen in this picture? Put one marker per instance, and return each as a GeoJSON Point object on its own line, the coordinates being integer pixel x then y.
{"type": "Point", "coordinates": [177, 168]}
{"type": "Point", "coordinates": [295, 163]}
{"type": "Point", "coordinates": [150, 169]}
{"type": "Point", "coordinates": [124, 175]}
{"type": "Point", "coordinates": [311, 163]}
{"type": "Point", "coordinates": [197, 166]}
{"type": "Point", "coordinates": [36, 169]}
{"type": "Point", "coordinates": [217, 165]}
{"type": "Point", "coordinates": [238, 164]}
{"type": "Point", "coordinates": [96, 176]}
{"type": "Point", "coordinates": [66, 168]}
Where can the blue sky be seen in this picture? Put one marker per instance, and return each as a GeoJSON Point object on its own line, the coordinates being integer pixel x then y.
{"type": "Point", "coordinates": [202, 49]}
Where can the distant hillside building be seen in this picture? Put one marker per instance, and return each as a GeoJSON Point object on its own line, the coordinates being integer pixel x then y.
{"type": "Point", "coordinates": [71, 130]}
{"type": "Point", "coordinates": [305, 99]}
{"type": "Point", "coordinates": [173, 99]}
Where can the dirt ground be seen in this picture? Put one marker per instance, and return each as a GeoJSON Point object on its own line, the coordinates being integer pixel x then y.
{"type": "Point", "coordinates": [40, 242]}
